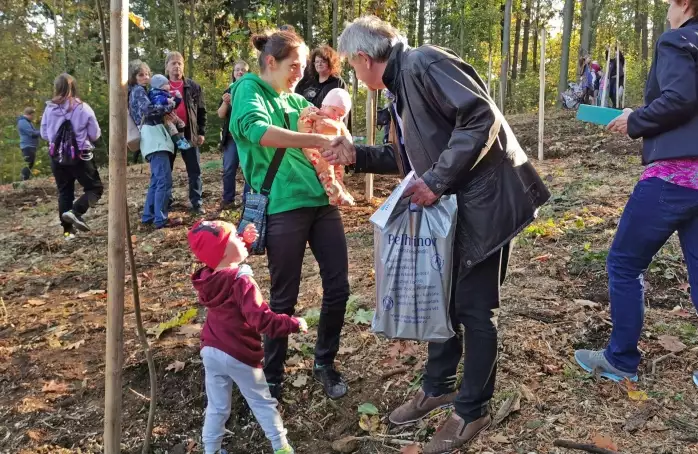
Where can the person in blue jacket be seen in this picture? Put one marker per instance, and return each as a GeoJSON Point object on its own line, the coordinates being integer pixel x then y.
{"type": "Point", "coordinates": [28, 140]}
{"type": "Point", "coordinates": [664, 201]}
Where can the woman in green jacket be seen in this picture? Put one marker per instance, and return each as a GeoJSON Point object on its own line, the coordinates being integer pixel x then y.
{"type": "Point", "coordinates": [265, 116]}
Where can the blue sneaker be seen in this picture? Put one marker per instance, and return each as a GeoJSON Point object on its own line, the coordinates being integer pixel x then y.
{"type": "Point", "coordinates": [695, 377]}
{"type": "Point", "coordinates": [183, 144]}
{"type": "Point", "coordinates": [595, 360]}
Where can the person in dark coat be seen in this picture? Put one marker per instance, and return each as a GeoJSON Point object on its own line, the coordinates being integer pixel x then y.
{"type": "Point", "coordinates": [664, 201]}
{"type": "Point", "coordinates": [28, 140]}
{"type": "Point", "coordinates": [457, 142]}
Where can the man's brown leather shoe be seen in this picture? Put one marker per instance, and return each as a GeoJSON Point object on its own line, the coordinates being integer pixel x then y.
{"type": "Point", "coordinates": [420, 406]}
{"type": "Point", "coordinates": [456, 433]}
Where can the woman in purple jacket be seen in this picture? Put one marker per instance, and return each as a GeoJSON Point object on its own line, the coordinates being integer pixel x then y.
{"type": "Point", "coordinates": [65, 105]}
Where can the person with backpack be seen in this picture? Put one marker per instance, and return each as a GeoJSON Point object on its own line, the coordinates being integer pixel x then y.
{"type": "Point", "coordinates": [28, 140]}
{"type": "Point", "coordinates": [71, 128]}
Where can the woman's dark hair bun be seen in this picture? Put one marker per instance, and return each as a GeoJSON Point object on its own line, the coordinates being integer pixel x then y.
{"type": "Point", "coordinates": [259, 40]}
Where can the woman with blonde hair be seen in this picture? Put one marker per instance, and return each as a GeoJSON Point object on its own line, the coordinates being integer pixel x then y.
{"type": "Point", "coordinates": [71, 128]}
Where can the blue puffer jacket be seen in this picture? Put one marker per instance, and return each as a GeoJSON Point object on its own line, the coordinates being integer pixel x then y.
{"type": "Point", "coordinates": [28, 134]}
{"type": "Point", "coordinates": [668, 123]}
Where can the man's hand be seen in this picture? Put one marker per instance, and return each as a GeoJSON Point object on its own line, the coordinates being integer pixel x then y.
{"type": "Point", "coordinates": [340, 152]}
{"type": "Point", "coordinates": [226, 98]}
{"type": "Point", "coordinates": [421, 194]}
{"type": "Point", "coordinates": [620, 123]}
{"type": "Point", "coordinates": [201, 140]}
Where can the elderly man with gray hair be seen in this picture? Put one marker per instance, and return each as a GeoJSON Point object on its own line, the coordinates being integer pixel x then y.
{"type": "Point", "coordinates": [457, 142]}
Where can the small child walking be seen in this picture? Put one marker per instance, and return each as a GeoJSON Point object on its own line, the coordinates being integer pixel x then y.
{"type": "Point", "coordinates": [335, 107]}
{"type": "Point", "coordinates": [159, 95]}
{"type": "Point", "coordinates": [230, 339]}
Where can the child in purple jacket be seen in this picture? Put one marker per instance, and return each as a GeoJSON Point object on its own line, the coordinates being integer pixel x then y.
{"type": "Point", "coordinates": [65, 105]}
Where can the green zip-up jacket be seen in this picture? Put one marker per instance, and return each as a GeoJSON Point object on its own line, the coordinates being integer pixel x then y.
{"type": "Point", "coordinates": [255, 107]}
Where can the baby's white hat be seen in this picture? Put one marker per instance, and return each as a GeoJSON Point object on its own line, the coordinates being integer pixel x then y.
{"type": "Point", "coordinates": [338, 97]}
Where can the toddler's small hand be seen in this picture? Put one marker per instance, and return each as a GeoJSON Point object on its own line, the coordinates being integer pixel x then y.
{"type": "Point", "coordinates": [303, 325]}
{"type": "Point", "coordinates": [177, 94]}
{"type": "Point", "coordinates": [250, 234]}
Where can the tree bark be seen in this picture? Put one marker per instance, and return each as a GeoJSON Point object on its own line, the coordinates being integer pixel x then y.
{"type": "Point", "coordinates": [536, 32]}
{"type": "Point", "coordinates": [309, 23]}
{"type": "Point", "coordinates": [103, 33]}
{"type": "Point", "coordinates": [517, 38]}
{"type": "Point", "coordinates": [411, 22]}
{"type": "Point", "coordinates": [335, 8]}
{"type": "Point", "coordinates": [178, 26]}
{"type": "Point", "coordinates": [585, 44]}
{"type": "Point", "coordinates": [190, 62]}
{"type": "Point", "coordinates": [568, 19]}
{"type": "Point", "coordinates": [637, 18]}
{"type": "Point", "coordinates": [214, 51]}
{"type": "Point", "coordinates": [505, 54]}
{"type": "Point", "coordinates": [644, 36]}
{"type": "Point", "coordinates": [420, 23]}
{"type": "Point", "coordinates": [658, 18]}
{"type": "Point", "coordinates": [526, 35]}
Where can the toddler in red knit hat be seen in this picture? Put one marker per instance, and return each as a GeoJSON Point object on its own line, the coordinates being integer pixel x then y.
{"type": "Point", "coordinates": [231, 345]}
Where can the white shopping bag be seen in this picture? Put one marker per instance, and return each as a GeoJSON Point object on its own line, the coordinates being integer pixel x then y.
{"type": "Point", "coordinates": [380, 217]}
{"type": "Point", "coordinates": [413, 254]}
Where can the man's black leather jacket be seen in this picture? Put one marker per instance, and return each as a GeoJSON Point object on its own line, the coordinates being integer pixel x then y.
{"type": "Point", "coordinates": [458, 142]}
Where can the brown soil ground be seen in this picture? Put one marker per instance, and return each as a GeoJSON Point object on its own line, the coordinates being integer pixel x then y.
{"type": "Point", "coordinates": [53, 324]}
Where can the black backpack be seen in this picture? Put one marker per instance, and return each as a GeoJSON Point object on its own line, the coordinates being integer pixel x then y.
{"type": "Point", "coordinates": [64, 148]}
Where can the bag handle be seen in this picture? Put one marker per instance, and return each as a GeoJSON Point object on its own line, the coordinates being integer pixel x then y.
{"type": "Point", "coordinates": [274, 166]}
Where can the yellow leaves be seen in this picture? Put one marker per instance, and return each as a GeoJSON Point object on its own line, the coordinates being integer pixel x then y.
{"type": "Point", "coordinates": [369, 423]}
{"type": "Point", "coordinates": [180, 319]}
{"type": "Point", "coordinates": [137, 20]}
{"type": "Point", "coordinates": [633, 392]}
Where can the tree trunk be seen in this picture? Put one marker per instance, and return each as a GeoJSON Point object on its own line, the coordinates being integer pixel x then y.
{"type": "Point", "coordinates": [411, 22]}
{"type": "Point", "coordinates": [103, 33]}
{"type": "Point", "coordinates": [190, 62]}
{"type": "Point", "coordinates": [526, 35]}
{"type": "Point", "coordinates": [178, 27]}
{"type": "Point", "coordinates": [638, 24]}
{"type": "Point", "coordinates": [517, 38]}
{"type": "Point", "coordinates": [309, 23]}
{"type": "Point", "coordinates": [645, 38]}
{"type": "Point", "coordinates": [585, 44]}
{"type": "Point", "coordinates": [536, 32]}
{"type": "Point", "coordinates": [435, 35]}
{"type": "Point", "coordinates": [568, 19]}
{"type": "Point", "coordinates": [420, 23]}
{"type": "Point", "coordinates": [595, 15]}
{"type": "Point", "coordinates": [335, 11]}
{"type": "Point", "coordinates": [505, 54]}
{"type": "Point", "coordinates": [658, 18]}
{"type": "Point", "coordinates": [277, 10]}
{"type": "Point", "coordinates": [65, 37]}
{"type": "Point", "coordinates": [214, 51]}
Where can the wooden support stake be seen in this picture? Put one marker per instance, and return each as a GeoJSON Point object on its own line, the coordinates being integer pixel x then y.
{"type": "Point", "coordinates": [370, 136]}
{"type": "Point", "coordinates": [582, 447]}
{"type": "Point", "coordinates": [118, 108]}
{"type": "Point", "coordinates": [606, 77]}
{"type": "Point", "coordinates": [616, 102]}
{"type": "Point", "coordinates": [541, 96]}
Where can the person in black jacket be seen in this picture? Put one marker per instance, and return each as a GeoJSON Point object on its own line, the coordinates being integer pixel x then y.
{"type": "Point", "coordinates": [457, 141]}
{"type": "Point", "coordinates": [324, 68]}
{"type": "Point", "coordinates": [616, 86]}
{"type": "Point", "coordinates": [665, 200]}
{"type": "Point", "coordinates": [193, 112]}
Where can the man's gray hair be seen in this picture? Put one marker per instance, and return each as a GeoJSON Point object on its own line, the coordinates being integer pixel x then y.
{"type": "Point", "coordinates": [370, 35]}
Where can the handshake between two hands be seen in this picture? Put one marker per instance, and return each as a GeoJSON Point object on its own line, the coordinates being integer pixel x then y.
{"type": "Point", "coordinates": [341, 151]}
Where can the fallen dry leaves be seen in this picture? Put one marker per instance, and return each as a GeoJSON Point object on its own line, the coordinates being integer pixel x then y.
{"type": "Point", "coordinates": [175, 366]}
{"type": "Point", "coordinates": [671, 343]}
{"type": "Point", "coordinates": [605, 442]}
{"type": "Point", "coordinates": [55, 387]}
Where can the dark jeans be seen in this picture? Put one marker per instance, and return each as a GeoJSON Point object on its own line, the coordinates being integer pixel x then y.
{"type": "Point", "coordinates": [157, 199]}
{"type": "Point", "coordinates": [192, 160]}
{"type": "Point", "coordinates": [655, 211]}
{"type": "Point", "coordinates": [231, 162]}
{"type": "Point", "coordinates": [29, 155]}
{"type": "Point", "coordinates": [136, 157]}
{"type": "Point", "coordinates": [85, 172]}
{"type": "Point", "coordinates": [287, 235]}
{"type": "Point", "coordinates": [615, 103]}
{"type": "Point", "coordinates": [474, 297]}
